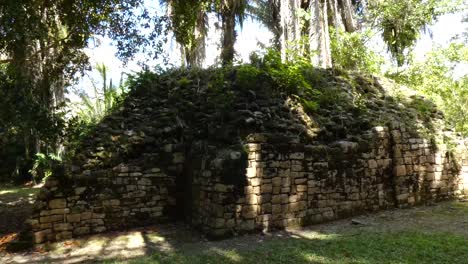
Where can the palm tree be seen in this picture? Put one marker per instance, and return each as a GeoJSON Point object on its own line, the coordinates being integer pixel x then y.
{"type": "Point", "coordinates": [93, 108]}
{"type": "Point", "coordinates": [189, 22]}
{"type": "Point", "coordinates": [267, 12]}
{"type": "Point", "coordinates": [229, 11]}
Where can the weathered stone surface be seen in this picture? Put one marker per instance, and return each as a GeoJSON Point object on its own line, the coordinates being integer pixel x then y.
{"type": "Point", "coordinates": [400, 170]}
{"type": "Point", "coordinates": [275, 178]}
{"type": "Point", "coordinates": [57, 203]}
{"type": "Point", "coordinates": [42, 236]}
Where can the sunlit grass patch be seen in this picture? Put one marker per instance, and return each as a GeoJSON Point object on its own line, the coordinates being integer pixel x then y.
{"type": "Point", "coordinates": [13, 193]}
{"type": "Point", "coordinates": [372, 247]}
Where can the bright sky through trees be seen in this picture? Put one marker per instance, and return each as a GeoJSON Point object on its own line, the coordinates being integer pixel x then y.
{"type": "Point", "coordinates": [252, 34]}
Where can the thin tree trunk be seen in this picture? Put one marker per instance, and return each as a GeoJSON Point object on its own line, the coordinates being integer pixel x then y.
{"type": "Point", "coordinates": [229, 37]}
{"type": "Point", "coordinates": [348, 18]}
{"type": "Point", "coordinates": [199, 51]}
{"type": "Point", "coordinates": [335, 15]}
{"type": "Point", "coordinates": [290, 26]}
{"type": "Point", "coordinates": [319, 35]}
{"type": "Point", "coordinates": [276, 28]}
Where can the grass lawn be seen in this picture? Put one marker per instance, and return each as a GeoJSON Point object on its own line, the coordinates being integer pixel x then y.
{"type": "Point", "coordinates": [365, 247]}
{"type": "Point", "coordinates": [15, 193]}
{"type": "Point", "coordinates": [16, 203]}
{"type": "Point", "coordinates": [423, 234]}
{"type": "Point", "coordinates": [429, 234]}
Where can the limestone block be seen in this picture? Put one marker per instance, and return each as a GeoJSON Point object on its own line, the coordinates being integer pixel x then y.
{"type": "Point", "coordinates": [296, 168]}
{"type": "Point", "coordinates": [403, 197]}
{"type": "Point", "coordinates": [276, 209]}
{"type": "Point", "coordinates": [276, 199]}
{"type": "Point", "coordinates": [45, 226]}
{"type": "Point", "coordinates": [42, 236]}
{"type": "Point", "coordinates": [255, 181]}
{"type": "Point", "coordinates": [51, 219]}
{"type": "Point", "coordinates": [251, 172]}
{"type": "Point", "coordinates": [276, 181]}
{"type": "Point", "coordinates": [86, 215]}
{"type": "Point", "coordinates": [249, 212]}
{"type": "Point", "coordinates": [293, 198]}
{"type": "Point", "coordinates": [254, 147]}
{"type": "Point", "coordinates": [62, 227]}
{"type": "Point", "coordinates": [266, 208]}
{"type": "Point", "coordinates": [297, 156]}
{"type": "Point", "coordinates": [251, 199]}
{"type": "Point", "coordinates": [372, 164]}
{"type": "Point", "coordinates": [57, 203]}
{"type": "Point", "coordinates": [98, 216]}
{"type": "Point", "coordinates": [266, 188]}
{"type": "Point", "coordinates": [300, 181]}
{"type": "Point", "coordinates": [99, 229]}
{"type": "Point", "coordinates": [74, 218]}
{"type": "Point", "coordinates": [63, 235]}
{"type": "Point", "coordinates": [400, 170]}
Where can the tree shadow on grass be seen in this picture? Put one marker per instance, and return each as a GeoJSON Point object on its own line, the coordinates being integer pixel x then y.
{"type": "Point", "coordinates": [406, 247]}
{"type": "Point", "coordinates": [16, 205]}
{"type": "Point", "coordinates": [282, 247]}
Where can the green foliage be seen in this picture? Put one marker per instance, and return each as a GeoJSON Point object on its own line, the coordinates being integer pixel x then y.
{"type": "Point", "coordinates": [350, 51]}
{"type": "Point", "coordinates": [402, 20]}
{"type": "Point", "coordinates": [42, 51]}
{"type": "Point", "coordinates": [92, 108]}
{"type": "Point", "coordinates": [231, 12]}
{"type": "Point", "coordinates": [310, 106]}
{"type": "Point", "coordinates": [435, 77]}
{"type": "Point", "coordinates": [43, 166]}
{"type": "Point", "coordinates": [288, 77]}
{"type": "Point", "coordinates": [189, 23]}
{"type": "Point", "coordinates": [247, 77]}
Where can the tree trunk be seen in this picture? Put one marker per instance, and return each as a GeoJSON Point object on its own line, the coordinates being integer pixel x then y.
{"type": "Point", "coordinates": [276, 27]}
{"type": "Point", "coordinates": [319, 36]}
{"type": "Point", "coordinates": [290, 26]}
{"type": "Point", "coordinates": [229, 37]}
{"type": "Point", "coordinates": [334, 16]}
{"type": "Point", "coordinates": [347, 10]}
{"type": "Point", "coordinates": [199, 51]}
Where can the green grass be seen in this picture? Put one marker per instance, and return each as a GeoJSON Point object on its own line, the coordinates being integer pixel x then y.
{"type": "Point", "coordinates": [14, 193]}
{"type": "Point", "coordinates": [393, 247]}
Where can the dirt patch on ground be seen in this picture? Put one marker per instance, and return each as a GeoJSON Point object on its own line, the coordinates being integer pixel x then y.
{"type": "Point", "coordinates": [447, 217]}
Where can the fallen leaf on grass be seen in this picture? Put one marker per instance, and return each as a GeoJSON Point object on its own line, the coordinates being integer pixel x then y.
{"type": "Point", "coordinates": [71, 244]}
{"type": "Point", "coordinates": [4, 240]}
{"type": "Point", "coordinates": [40, 250]}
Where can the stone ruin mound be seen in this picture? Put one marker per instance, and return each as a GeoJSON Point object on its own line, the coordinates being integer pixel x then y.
{"type": "Point", "coordinates": [227, 160]}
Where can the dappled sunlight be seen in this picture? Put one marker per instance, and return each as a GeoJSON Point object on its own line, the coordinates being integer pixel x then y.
{"type": "Point", "coordinates": [315, 258]}
{"type": "Point", "coordinates": [121, 245]}
{"type": "Point", "coordinates": [382, 238]}
{"type": "Point", "coordinates": [229, 255]}
{"type": "Point", "coordinates": [310, 234]}
{"type": "Point", "coordinates": [8, 191]}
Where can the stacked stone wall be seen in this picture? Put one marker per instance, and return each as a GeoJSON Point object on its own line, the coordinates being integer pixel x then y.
{"type": "Point", "coordinates": [292, 184]}
{"type": "Point", "coordinates": [94, 201]}
{"type": "Point", "coordinates": [267, 182]}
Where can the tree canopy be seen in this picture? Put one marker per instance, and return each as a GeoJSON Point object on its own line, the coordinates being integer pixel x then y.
{"type": "Point", "coordinates": [42, 52]}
